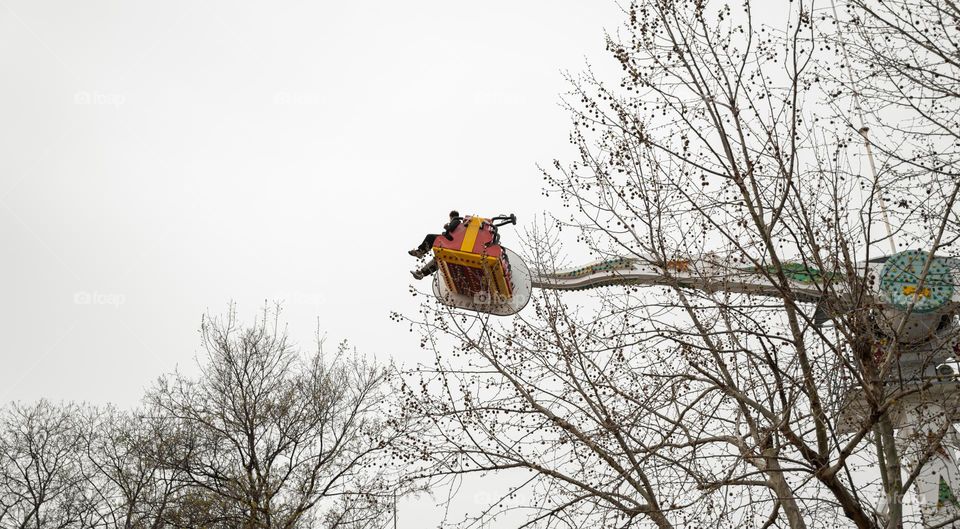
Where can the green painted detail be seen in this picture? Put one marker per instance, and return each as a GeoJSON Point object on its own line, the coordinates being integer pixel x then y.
{"type": "Point", "coordinates": [800, 272]}
{"type": "Point", "coordinates": [900, 282]}
{"type": "Point", "coordinates": [946, 495]}
{"type": "Point", "coordinates": [605, 266]}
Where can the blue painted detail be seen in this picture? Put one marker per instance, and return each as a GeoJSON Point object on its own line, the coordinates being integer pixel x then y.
{"type": "Point", "coordinates": [900, 282]}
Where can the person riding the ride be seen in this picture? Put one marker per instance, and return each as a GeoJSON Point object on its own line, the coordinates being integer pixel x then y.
{"type": "Point", "coordinates": [427, 244]}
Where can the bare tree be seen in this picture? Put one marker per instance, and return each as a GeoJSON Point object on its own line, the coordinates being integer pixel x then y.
{"type": "Point", "coordinates": [120, 453]}
{"type": "Point", "coordinates": [264, 438]}
{"type": "Point", "coordinates": [267, 438]}
{"type": "Point", "coordinates": [904, 67]}
{"type": "Point", "coordinates": [41, 480]}
{"type": "Point", "coordinates": [720, 156]}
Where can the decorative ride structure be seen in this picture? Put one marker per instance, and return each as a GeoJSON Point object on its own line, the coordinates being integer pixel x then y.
{"type": "Point", "coordinates": [917, 300]}
{"type": "Point", "coordinates": [476, 273]}
{"type": "Point", "coordinates": [914, 294]}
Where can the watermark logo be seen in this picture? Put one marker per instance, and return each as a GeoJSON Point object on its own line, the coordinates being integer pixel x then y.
{"type": "Point", "coordinates": [482, 498]}
{"type": "Point", "coordinates": [84, 297]}
{"type": "Point", "coordinates": [299, 298]}
{"type": "Point", "coordinates": [99, 99]}
{"type": "Point", "coordinates": [484, 298]}
{"type": "Point", "coordinates": [296, 98]}
{"type": "Point", "coordinates": [497, 98]}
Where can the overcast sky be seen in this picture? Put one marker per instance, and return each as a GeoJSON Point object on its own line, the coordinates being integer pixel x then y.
{"type": "Point", "coordinates": [158, 160]}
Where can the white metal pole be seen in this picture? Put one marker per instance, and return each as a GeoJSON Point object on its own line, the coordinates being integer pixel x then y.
{"type": "Point", "coordinates": [865, 134]}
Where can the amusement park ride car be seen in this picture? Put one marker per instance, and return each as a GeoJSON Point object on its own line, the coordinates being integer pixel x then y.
{"type": "Point", "coordinates": [476, 273]}
{"type": "Point", "coordinates": [913, 292]}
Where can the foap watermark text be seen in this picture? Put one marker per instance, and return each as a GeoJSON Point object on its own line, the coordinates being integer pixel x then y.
{"type": "Point", "coordinates": [84, 297]}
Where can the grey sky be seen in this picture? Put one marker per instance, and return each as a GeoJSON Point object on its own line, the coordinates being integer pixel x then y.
{"type": "Point", "coordinates": [159, 159]}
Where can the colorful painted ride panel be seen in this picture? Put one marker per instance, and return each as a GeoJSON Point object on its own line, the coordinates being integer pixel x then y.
{"type": "Point", "coordinates": [472, 262]}
{"type": "Point", "coordinates": [485, 302]}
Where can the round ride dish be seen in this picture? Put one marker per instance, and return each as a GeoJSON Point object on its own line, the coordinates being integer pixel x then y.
{"type": "Point", "coordinates": [484, 301]}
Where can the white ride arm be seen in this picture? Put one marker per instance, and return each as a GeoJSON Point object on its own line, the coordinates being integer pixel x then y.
{"type": "Point", "coordinates": [702, 274]}
{"type": "Point", "coordinates": [894, 280]}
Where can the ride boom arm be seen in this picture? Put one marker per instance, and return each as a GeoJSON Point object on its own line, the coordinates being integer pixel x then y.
{"type": "Point", "coordinates": [804, 281]}
{"type": "Point", "coordinates": [905, 280]}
